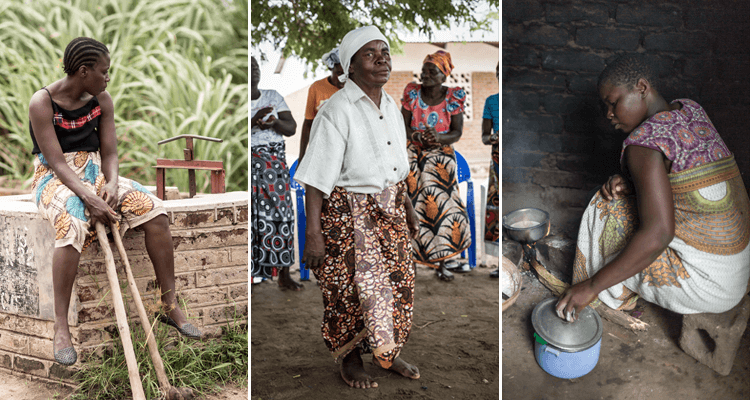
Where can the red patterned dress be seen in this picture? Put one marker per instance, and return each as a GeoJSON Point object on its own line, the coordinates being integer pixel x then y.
{"type": "Point", "coordinates": [432, 182]}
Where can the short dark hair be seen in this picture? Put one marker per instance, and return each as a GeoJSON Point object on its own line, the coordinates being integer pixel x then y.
{"type": "Point", "coordinates": [82, 51]}
{"type": "Point", "coordinates": [627, 70]}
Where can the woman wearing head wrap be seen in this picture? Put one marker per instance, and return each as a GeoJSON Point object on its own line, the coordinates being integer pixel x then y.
{"type": "Point", "coordinates": [358, 215]}
{"type": "Point", "coordinates": [272, 219]}
{"type": "Point", "coordinates": [76, 183]}
{"type": "Point", "coordinates": [319, 92]}
{"type": "Point", "coordinates": [434, 121]}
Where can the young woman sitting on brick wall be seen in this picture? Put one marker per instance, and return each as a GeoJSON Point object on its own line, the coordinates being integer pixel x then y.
{"type": "Point", "coordinates": [682, 240]}
{"type": "Point", "coordinates": [76, 183]}
{"type": "Point", "coordinates": [433, 115]}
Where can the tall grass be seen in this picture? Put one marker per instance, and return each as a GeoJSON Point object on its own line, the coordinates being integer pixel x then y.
{"type": "Point", "coordinates": [177, 67]}
{"type": "Point", "coordinates": [202, 366]}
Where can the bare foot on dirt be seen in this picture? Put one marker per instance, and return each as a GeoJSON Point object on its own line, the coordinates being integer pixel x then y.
{"type": "Point", "coordinates": [286, 282]}
{"type": "Point", "coordinates": [401, 367]}
{"type": "Point", "coordinates": [353, 372]}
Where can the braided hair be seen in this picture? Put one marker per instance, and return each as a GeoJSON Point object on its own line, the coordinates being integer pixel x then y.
{"type": "Point", "coordinates": [626, 70]}
{"type": "Point", "coordinates": [82, 51]}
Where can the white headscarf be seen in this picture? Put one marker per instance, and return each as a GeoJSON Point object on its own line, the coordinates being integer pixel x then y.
{"type": "Point", "coordinates": [331, 58]}
{"type": "Point", "coordinates": [353, 41]}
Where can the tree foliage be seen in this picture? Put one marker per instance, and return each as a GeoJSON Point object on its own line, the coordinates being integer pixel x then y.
{"type": "Point", "coordinates": [310, 28]}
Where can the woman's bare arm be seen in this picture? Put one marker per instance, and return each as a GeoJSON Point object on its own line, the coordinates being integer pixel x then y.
{"type": "Point", "coordinates": [108, 149]}
{"type": "Point", "coordinates": [284, 125]}
{"type": "Point", "coordinates": [407, 122]}
{"type": "Point", "coordinates": [456, 130]}
{"type": "Point", "coordinates": [655, 231]}
{"type": "Point", "coordinates": [314, 254]}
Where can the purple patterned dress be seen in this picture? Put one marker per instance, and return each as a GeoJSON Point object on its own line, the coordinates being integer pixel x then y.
{"type": "Point", "coordinates": [685, 136]}
{"type": "Point", "coordinates": [706, 266]}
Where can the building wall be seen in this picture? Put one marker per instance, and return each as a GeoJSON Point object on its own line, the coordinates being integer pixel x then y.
{"type": "Point", "coordinates": [557, 146]}
{"type": "Point", "coordinates": [474, 63]}
{"type": "Point", "coordinates": [210, 241]}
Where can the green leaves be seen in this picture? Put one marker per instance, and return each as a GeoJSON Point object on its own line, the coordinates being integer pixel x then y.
{"type": "Point", "coordinates": [177, 66]}
{"type": "Point", "coordinates": [310, 28]}
{"type": "Point", "coordinates": [202, 366]}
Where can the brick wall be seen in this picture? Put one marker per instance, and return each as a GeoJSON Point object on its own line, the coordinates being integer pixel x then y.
{"type": "Point", "coordinates": [556, 144]}
{"type": "Point", "coordinates": [210, 239]}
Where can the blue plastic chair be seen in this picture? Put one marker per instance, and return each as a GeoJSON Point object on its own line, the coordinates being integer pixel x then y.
{"type": "Point", "coordinates": [464, 175]}
{"type": "Point", "coordinates": [304, 273]}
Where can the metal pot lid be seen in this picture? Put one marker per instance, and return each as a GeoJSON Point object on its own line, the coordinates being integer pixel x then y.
{"type": "Point", "coordinates": [567, 336]}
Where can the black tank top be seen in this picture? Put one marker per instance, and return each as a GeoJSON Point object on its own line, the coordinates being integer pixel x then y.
{"type": "Point", "coordinates": [76, 130]}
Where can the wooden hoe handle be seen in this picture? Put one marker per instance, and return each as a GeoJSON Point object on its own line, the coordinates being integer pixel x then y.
{"type": "Point", "coordinates": [122, 318]}
{"type": "Point", "coordinates": [153, 350]}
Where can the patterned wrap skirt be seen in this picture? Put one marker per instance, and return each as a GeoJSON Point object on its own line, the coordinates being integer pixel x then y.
{"type": "Point", "coordinates": [367, 278]}
{"type": "Point", "coordinates": [272, 217]}
{"type": "Point", "coordinates": [705, 268]}
{"type": "Point", "coordinates": [492, 216]}
{"type": "Point", "coordinates": [433, 190]}
{"type": "Point", "coordinates": [68, 214]}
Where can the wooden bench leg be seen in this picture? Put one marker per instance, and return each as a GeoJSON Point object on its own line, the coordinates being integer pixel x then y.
{"type": "Point", "coordinates": [160, 184]}
{"type": "Point", "coordinates": [217, 181]}
{"type": "Point", "coordinates": [713, 339]}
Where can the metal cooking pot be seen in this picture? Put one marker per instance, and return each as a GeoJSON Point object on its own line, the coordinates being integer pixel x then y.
{"type": "Point", "coordinates": [566, 349]}
{"type": "Point", "coordinates": [526, 225]}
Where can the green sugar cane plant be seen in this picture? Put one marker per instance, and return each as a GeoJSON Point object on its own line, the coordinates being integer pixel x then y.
{"type": "Point", "coordinates": [177, 67]}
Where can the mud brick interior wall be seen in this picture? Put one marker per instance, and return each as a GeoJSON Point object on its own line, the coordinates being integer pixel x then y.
{"type": "Point", "coordinates": [210, 240]}
{"type": "Point", "coordinates": [557, 146]}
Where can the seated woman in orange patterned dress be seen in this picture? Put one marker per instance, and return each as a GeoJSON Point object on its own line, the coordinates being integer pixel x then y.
{"type": "Point", "coordinates": [433, 115]}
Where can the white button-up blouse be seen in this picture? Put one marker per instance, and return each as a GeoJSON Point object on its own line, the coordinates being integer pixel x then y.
{"type": "Point", "coordinates": [355, 145]}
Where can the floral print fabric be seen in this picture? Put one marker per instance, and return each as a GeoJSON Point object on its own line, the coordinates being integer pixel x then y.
{"type": "Point", "coordinates": [67, 213]}
{"type": "Point", "coordinates": [439, 116]}
{"type": "Point", "coordinates": [367, 278]}
{"type": "Point", "coordinates": [685, 136]}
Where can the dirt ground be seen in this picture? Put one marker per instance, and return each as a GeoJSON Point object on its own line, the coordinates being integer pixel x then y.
{"type": "Point", "coordinates": [18, 388]}
{"type": "Point", "coordinates": [646, 365]}
{"type": "Point", "coordinates": [454, 341]}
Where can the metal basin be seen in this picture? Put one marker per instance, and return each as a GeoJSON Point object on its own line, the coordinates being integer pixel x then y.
{"type": "Point", "coordinates": [526, 225]}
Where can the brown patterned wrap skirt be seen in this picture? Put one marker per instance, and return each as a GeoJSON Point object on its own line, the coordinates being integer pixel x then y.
{"type": "Point", "coordinates": [367, 278]}
{"type": "Point", "coordinates": [433, 190]}
{"type": "Point", "coordinates": [67, 213]}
